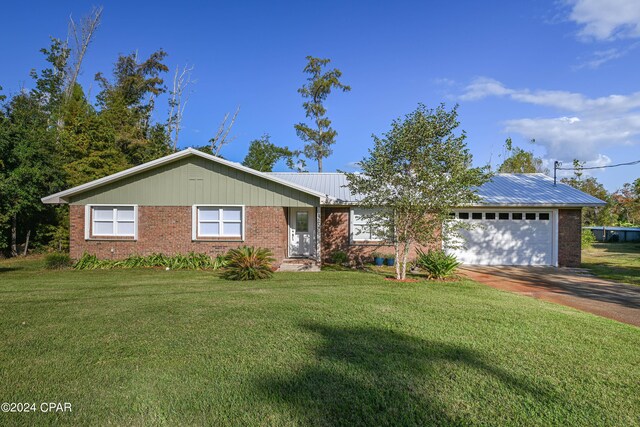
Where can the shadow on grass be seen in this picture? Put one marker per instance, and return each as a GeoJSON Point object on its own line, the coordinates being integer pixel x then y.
{"type": "Point", "coordinates": [9, 269]}
{"type": "Point", "coordinates": [622, 248]}
{"type": "Point", "coordinates": [373, 376]}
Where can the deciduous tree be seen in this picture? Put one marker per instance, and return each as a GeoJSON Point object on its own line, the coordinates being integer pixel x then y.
{"type": "Point", "coordinates": [263, 155]}
{"type": "Point", "coordinates": [590, 185]}
{"type": "Point", "coordinates": [414, 176]}
{"type": "Point", "coordinates": [518, 160]}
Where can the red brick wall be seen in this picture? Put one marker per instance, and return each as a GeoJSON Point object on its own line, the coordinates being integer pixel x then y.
{"type": "Point", "coordinates": [569, 233]}
{"type": "Point", "coordinates": [335, 237]}
{"type": "Point", "coordinates": [167, 230]}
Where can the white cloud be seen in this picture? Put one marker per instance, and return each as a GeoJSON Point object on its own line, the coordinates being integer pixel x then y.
{"type": "Point", "coordinates": [591, 125]}
{"type": "Point", "coordinates": [582, 138]}
{"type": "Point", "coordinates": [606, 19]}
{"type": "Point", "coordinates": [483, 87]}
{"type": "Point", "coordinates": [601, 57]}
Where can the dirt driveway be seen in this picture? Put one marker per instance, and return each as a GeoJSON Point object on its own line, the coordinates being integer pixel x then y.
{"type": "Point", "coordinates": [571, 287]}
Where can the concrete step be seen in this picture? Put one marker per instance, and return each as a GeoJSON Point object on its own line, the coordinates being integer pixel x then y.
{"type": "Point", "coordinates": [299, 264]}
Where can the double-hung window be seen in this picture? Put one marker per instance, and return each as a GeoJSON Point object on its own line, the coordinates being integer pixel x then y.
{"type": "Point", "coordinates": [113, 221]}
{"type": "Point", "coordinates": [218, 221]}
{"type": "Point", "coordinates": [361, 227]}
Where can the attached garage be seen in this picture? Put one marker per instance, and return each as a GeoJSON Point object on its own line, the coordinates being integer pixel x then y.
{"type": "Point", "coordinates": [506, 237]}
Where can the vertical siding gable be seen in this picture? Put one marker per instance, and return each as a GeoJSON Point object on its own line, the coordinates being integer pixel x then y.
{"type": "Point", "coordinates": [195, 180]}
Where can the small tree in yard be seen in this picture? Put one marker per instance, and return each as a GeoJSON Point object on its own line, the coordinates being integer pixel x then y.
{"type": "Point", "coordinates": [415, 175]}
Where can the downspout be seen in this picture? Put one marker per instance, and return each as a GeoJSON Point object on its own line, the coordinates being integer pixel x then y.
{"type": "Point", "coordinates": [318, 234]}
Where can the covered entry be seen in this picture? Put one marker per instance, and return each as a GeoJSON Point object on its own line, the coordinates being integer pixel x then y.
{"type": "Point", "coordinates": [506, 237]}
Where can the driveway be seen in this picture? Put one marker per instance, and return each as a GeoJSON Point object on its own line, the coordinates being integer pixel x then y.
{"type": "Point", "coordinates": [572, 287]}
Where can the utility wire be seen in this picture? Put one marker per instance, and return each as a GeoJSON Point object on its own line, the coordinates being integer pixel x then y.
{"type": "Point", "coordinates": [599, 167]}
{"type": "Point", "coordinates": [556, 167]}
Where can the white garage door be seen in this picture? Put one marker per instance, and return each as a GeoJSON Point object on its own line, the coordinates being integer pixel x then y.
{"type": "Point", "coordinates": [506, 238]}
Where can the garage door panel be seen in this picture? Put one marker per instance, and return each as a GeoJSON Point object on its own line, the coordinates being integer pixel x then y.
{"type": "Point", "coordinates": [505, 242]}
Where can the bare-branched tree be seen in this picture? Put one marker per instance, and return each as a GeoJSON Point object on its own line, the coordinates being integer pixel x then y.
{"type": "Point", "coordinates": [81, 36]}
{"type": "Point", "coordinates": [222, 136]}
{"type": "Point", "coordinates": [178, 99]}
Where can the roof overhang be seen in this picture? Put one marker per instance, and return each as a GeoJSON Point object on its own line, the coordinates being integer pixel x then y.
{"type": "Point", "coordinates": [62, 197]}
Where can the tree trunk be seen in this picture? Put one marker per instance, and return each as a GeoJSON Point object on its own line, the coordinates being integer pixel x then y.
{"type": "Point", "coordinates": [396, 246]}
{"type": "Point", "coordinates": [26, 243]}
{"type": "Point", "coordinates": [319, 164]}
{"type": "Point", "coordinates": [14, 235]}
{"type": "Point", "coordinates": [405, 255]}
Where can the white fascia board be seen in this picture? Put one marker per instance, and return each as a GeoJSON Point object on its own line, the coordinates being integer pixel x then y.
{"type": "Point", "coordinates": [61, 197]}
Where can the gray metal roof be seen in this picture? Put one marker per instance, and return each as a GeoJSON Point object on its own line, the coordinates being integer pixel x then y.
{"type": "Point", "coordinates": [503, 190]}
{"type": "Point", "coordinates": [333, 184]}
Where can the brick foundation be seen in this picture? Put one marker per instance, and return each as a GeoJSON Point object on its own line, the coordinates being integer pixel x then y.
{"type": "Point", "coordinates": [569, 234]}
{"type": "Point", "coordinates": [336, 237]}
{"type": "Point", "coordinates": [167, 230]}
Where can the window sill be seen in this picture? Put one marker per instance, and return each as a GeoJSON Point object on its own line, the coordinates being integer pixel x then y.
{"type": "Point", "coordinates": [370, 243]}
{"type": "Point", "coordinates": [218, 239]}
{"type": "Point", "coordinates": [111, 239]}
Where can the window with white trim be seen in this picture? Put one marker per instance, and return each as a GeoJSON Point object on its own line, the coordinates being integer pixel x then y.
{"type": "Point", "coordinates": [113, 221]}
{"type": "Point", "coordinates": [361, 229]}
{"type": "Point", "coordinates": [218, 221]}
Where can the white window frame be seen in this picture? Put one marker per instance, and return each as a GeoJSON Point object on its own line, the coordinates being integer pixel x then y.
{"type": "Point", "coordinates": [352, 228]}
{"type": "Point", "coordinates": [195, 223]}
{"type": "Point", "coordinates": [89, 222]}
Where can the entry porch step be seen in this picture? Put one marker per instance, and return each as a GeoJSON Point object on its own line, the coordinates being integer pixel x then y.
{"type": "Point", "coordinates": [299, 264]}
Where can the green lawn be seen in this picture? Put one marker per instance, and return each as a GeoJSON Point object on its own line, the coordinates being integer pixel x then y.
{"type": "Point", "coordinates": [614, 261]}
{"type": "Point", "coordinates": [134, 347]}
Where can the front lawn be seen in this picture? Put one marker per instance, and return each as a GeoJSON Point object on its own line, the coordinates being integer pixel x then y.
{"type": "Point", "coordinates": [614, 261]}
{"type": "Point", "coordinates": [138, 347]}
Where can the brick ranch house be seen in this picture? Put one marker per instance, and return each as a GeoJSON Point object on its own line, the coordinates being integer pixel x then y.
{"type": "Point", "coordinates": [192, 201]}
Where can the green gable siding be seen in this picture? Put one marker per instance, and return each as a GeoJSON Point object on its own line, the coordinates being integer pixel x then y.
{"type": "Point", "coordinates": [194, 180]}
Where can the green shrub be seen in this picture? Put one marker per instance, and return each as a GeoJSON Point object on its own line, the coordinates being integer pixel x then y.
{"type": "Point", "coordinates": [339, 257]}
{"type": "Point", "coordinates": [57, 260]}
{"type": "Point", "coordinates": [190, 261]}
{"type": "Point", "coordinates": [587, 239]}
{"type": "Point", "coordinates": [437, 264]}
{"type": "Point", "coordinates": [248, 263]}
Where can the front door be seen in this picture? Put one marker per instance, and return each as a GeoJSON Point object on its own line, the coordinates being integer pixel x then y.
{"type": "Point", "coordinates": [302, 231]}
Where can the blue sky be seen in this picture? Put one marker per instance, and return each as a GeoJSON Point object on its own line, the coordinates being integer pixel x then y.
{"type": "Point", "coordinates": [562, 72]}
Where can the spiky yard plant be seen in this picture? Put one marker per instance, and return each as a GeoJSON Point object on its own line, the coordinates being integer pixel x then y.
{"type": "Point", "coordinates": [437, 264]}
{"type": "Point", "coordinates": [248, 263]}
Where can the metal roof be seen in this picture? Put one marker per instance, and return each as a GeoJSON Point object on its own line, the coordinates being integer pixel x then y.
{"type": "Point", "coordinates": [331, 184]}
{"type": "Point", "coordinates": [534, 189]}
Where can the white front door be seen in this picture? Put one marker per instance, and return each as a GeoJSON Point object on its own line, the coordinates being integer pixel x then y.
{"type": "Point", "coordinates": [302, 232]}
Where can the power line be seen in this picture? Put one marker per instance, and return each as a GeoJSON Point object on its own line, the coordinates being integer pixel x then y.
{"type": "Point", "coordinates": [556, 167]}
{"type": "Point", "coordinates": [597, 167]}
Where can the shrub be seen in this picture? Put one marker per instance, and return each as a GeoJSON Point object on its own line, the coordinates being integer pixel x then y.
{"type": "Point", "coordinates": [437, 264]}
{"type": "Point", "coordinates": [587, 239]}
{"type": "Point", "coordinates": [339, 257]}
{"type": "Point", "coordinates": [248, 263]}
{"type": "Point", "coordinates": [57, 260]}
{"type": "Point", "coordinates": [190, 261]}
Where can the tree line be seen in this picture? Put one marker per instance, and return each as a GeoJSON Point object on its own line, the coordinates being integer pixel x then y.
{"type": "Point", "coordinates": [52, 136]}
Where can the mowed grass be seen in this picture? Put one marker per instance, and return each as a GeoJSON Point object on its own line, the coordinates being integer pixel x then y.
{"type": "Point", "coordinates": [614, 261]}
{"type": "Point", "coordinates": [140, 347]}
